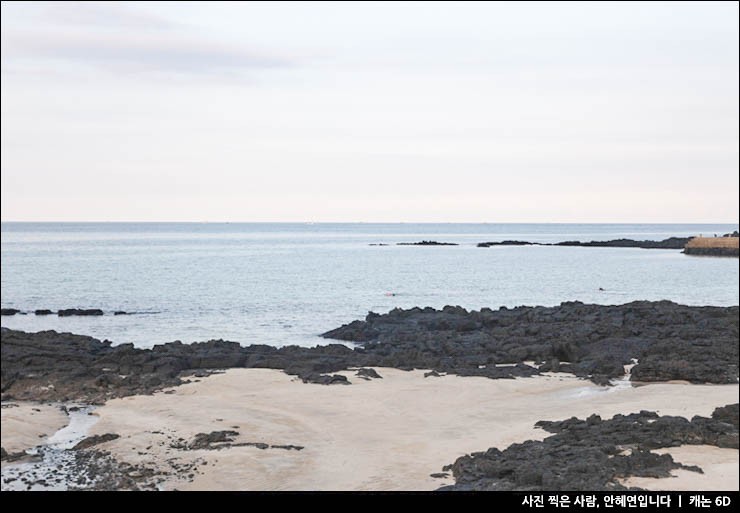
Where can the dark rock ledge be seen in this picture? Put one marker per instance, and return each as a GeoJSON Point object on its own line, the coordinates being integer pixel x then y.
{"type": "Point", "coordinates": [594, 454]}
{"type": "Point", "coordinates": [69, 312]}
{"type": "Point", "coordinates": [427, 243]}
{"type": "Point", "coordinates": [669, 243]}
{"type": "Point", "coordinates": [670, 342]}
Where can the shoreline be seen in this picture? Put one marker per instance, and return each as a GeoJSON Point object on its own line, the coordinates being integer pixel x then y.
{"type": "Point", "coordinates": [384, 434]}
{"type": "Point", "coordinates": [590, 341]}
{"type": "Point", "coordinates": [423, 392]}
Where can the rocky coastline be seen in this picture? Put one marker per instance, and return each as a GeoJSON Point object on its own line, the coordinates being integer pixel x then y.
{"type": "Point", "coordinates": [661, 341]}
{"type": "Point", "coordinates": [666, 340]}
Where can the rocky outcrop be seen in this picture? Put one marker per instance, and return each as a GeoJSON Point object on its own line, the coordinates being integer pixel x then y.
{"type": "Point", "coordinates": [79, 311]}
{"type": "Point", "coordinates": [93, 440]}
{"type": "Point", "coordinates": [669, 243]}
{"type": "Point", "coordinates": [670, 341]}
{"type": "Point", "coordinates": [68, 312]}
{"type": "Point", "coordinates": [368, 374]}
{"type": "Point", "coordinates": [325, 379]}
{"type": "Point", "coordinates": [218, 440]}
{"type": "Point", "coordinates": [427, 243]}
{"type": "Point", "coordinates": [209, 440]}
{"type": "Point", "coordinates": [593, 454]}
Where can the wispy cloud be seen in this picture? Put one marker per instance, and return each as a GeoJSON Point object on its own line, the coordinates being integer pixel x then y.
{"type": "Point", "coordinates": [121, 39]}
{"type": "Point", "coordinates": [101, 14]}
{"type": "Point", "coordinates": [142, 52]}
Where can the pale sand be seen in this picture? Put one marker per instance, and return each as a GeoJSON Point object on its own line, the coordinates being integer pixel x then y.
{"type": "Point", "coordinates": [720, 468]}
{"type": "Point", "coordinates": [384, 434]}
{"type": "Point", "coordinates": [28, 424]}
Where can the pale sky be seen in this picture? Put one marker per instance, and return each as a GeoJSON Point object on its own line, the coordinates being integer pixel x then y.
{"type": "Point", "coordinates": [501, 112]}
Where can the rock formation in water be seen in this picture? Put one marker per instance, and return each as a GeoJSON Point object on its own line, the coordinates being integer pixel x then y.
{"type": "Point", "coordinates": [669, 243]}
{"type": "Point", "coordinates": [427, 243]}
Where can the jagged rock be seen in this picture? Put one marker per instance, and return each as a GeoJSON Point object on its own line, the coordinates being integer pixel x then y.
{"type": "Point", "coordinates": [79, 311]}
{"type": "Point", "coordinates": [427, 243]}
{"type": "Point", "coordinates": [368, 373]}
{"type": "Point", "coordinates": [288, 447]}
{"type": "Point", "coordinates": [670, 342]}
{"type": "Point", "coordinates": [93, 440]}
{"type": "Point", "coordinates": [728, 414]}
{"type": "Point", "coordinates": [207, 440]}
{"type": "Point", "coordinates": [325, 379]}
{"type": "Point", "coordinates": [669, 243]}
{"type": "Point", "coordinates": [591, 454]}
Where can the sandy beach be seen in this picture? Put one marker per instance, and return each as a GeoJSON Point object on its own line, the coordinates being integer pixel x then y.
{"type": "Point", "coordinates": [383, 434]}
{"type": "Point", "coordinates": [26, 424]}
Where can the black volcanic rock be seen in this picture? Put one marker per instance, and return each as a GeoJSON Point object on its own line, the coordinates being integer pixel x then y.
{"type": "Point", "coordinates": [79, 311]}
{"type": "Point", "coordinates": [368, 374]}
{"type": "Point", "coordinates": [728, 414]}
{"type": "Point", "coordinates": [670, 341]}
{"type": "Point", "coordinates": [669, 243]}
{"type": "Point", "coordinates": [90, 441]}
{"type": "Point", "coordinates": [591, 454]}
{"type": "Point", "coordinates": [207, 440]}
{"type": "Point", "coordinates": [427, 243]}
{"type": "Point", "coordinates": [507, 243]}
{"type": "Point", "coordinates": [325, 379]}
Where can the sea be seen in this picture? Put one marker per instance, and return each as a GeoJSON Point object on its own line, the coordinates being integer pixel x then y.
{"type": "Point", "coordinates": [286, 283]}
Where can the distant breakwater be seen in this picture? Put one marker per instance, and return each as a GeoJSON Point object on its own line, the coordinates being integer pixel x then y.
{"type": "Point", "coordinates": [727, 246]}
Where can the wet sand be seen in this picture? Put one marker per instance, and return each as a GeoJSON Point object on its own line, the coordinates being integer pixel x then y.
{"type": "Point", "coordinates": [384, 434]}
{"type": "Point", "coordinates": [26, 425]}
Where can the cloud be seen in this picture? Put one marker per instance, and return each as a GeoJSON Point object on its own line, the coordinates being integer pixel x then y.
{"type": "Point", "coordinates": [121, 39]}
{"type": "Point", "coordinates": [138, 52]}
{"type": "Point", "coordinates": [101, 14]}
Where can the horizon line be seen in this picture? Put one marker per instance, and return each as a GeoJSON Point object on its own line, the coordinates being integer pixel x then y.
{"type": "Point", "coordinates": [358, 222]}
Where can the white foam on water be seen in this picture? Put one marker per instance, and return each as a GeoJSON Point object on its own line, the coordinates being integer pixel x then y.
{"type": "Point", "coordinates": [617, 386]}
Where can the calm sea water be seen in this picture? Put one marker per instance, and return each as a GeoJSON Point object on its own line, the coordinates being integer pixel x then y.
{"type": "Point", "coordinates": [286, 283]}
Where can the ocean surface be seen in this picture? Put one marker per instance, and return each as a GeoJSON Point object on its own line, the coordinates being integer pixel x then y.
{"type": "Point", "coordinates": [283, 284]}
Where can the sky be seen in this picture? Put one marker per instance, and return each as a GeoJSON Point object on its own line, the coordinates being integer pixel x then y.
{"type": "Point", "coordinates": [374, 112]}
